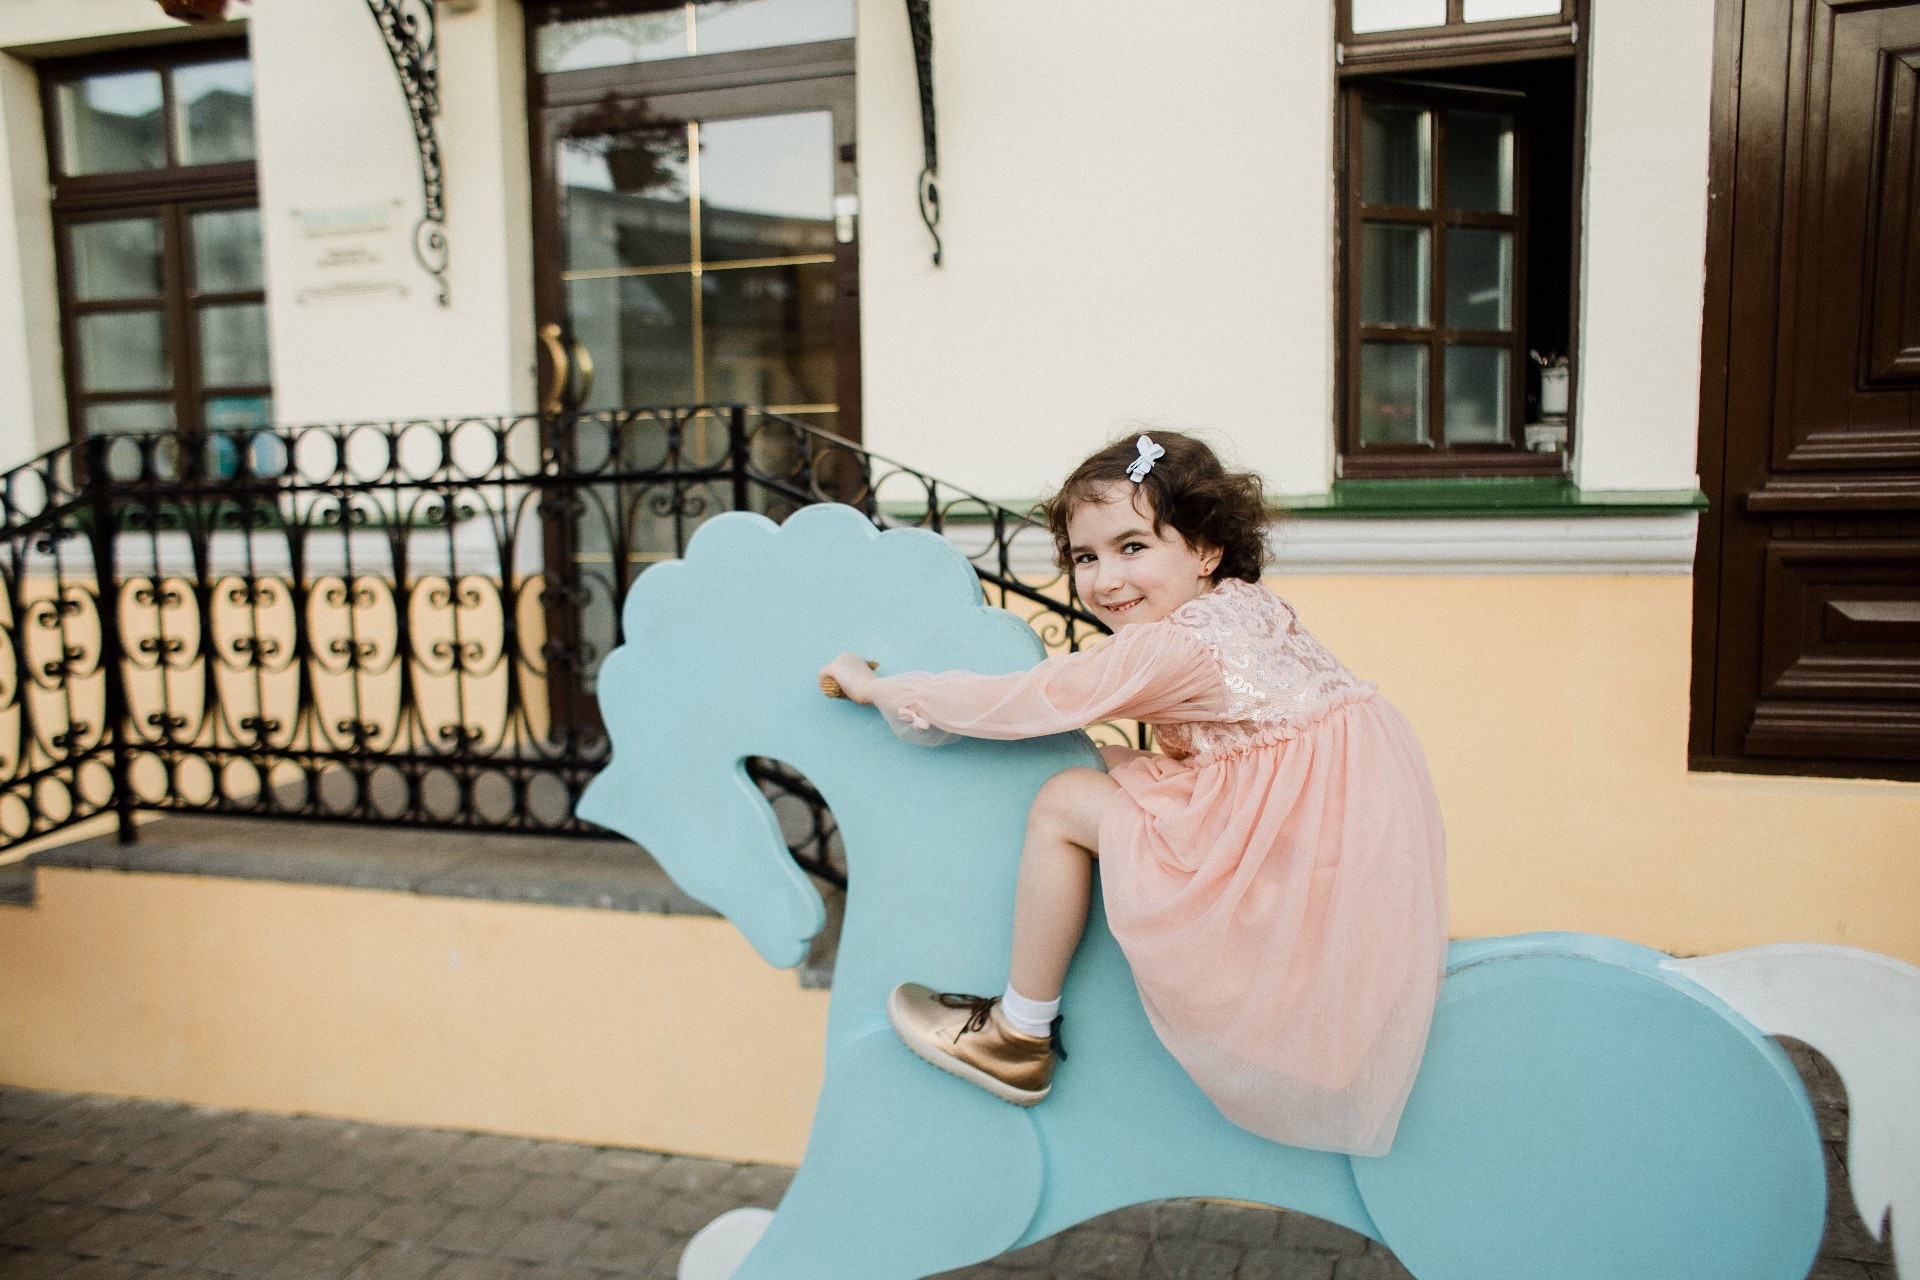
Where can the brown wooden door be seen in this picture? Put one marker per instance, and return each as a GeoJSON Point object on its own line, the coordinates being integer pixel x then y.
{"type": "Point", "coordinates": [1807, 589]}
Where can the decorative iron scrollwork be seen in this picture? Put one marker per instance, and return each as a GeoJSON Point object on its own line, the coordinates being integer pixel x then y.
{"type": "Point", "coordinates": [920, 23]}
{"type": "Point", "coordinates": [410, 30]}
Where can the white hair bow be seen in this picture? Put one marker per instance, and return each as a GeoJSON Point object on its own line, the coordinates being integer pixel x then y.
{"type": "Point", "coordinates": [1138, 468]}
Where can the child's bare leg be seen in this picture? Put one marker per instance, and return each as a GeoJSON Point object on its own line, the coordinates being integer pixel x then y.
{"type": "Point", "coordinates": [1056, 879]}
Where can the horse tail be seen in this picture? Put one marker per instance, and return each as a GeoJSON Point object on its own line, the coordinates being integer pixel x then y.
{"type": "Point", "coordinates": [1862, 1011]}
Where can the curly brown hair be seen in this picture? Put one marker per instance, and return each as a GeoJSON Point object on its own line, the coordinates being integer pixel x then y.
{"type": "Point", "coordinates": [1187, 488]}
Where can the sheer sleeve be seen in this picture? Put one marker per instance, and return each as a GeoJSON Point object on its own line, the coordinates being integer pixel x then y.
{"type": "Point", "coordinates": [1151, 672]}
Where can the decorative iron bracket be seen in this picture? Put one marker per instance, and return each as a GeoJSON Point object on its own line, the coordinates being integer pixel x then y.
{"type": "Point", "coordinates": [920, 23]}
{"type": "Point", "coordinates": [410, 30]}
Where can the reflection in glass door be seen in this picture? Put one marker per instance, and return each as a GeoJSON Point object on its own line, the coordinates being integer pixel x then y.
{"type": "Point", "coordinates": [700, 263]}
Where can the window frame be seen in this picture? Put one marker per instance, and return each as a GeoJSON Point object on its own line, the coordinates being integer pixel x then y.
{"type": "Point", "coordinates": [1457, 41]}
{"type": "Point", "coordinates": [1435, 455]}
{"type": "Point", "coordinates": [171, 194]}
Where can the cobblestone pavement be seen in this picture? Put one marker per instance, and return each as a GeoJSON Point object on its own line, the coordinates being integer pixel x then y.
{"type": "Point", "coordinates": [97, 1188]}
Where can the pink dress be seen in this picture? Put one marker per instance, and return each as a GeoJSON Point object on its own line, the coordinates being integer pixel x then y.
{"type": "Point", "coordinates": [1276, 876]}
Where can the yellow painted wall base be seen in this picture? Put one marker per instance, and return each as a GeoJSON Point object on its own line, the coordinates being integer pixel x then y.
{"type": "Point", "coordinates": [663, 1032]}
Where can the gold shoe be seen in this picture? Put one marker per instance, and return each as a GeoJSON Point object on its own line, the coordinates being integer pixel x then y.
{"type": "Point", "coordinates": [969, 1037]}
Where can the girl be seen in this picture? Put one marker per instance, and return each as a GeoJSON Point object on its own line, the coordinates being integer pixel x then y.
{"type": "Point", "coordinates": [1275, 875]}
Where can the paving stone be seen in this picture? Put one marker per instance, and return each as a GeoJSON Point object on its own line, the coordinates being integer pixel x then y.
{"type": "Point", "coordinates": [684, 1173]}
{"type": "Point", "coordinates": [229, 1157]}
{"type": "Point", "coordinates": [50, 1226]}
{"type": "Point", "coordinates": [116, 1234]}
{"type": "Point", "coordinates": [273, 1206]}
{"type": "Point", "coordinates": [144, 1189]}
{"type": "Point", "coordinates": [1102, 1253]}
{"type": "Point", "coordinates": [398, 1262]}
{"type": "Point", "coordinates": [484, 1188]}
{"type": "Point", "coordinates": [757, 1184]}
{"type": "Point", "coordinates": [178, 1243]}
{"type": "Point", "coordinates": [166, 1151]}
{"type": "Point", "coordinates": [562, 1273]}
{"type": "Point", "coordinates": [686, 1214]}
{"type": "Point", "coordinates": [369, 1141]}
{"type": "Point", "coordinates": [622, 1205]}
{"type": "Point", "coordinates": [404, 1181]}
{"type": "Point", "coordinates": [22, 1264]}
{"type": "Point", "coordinates": [31, 1104]}
{"type": "Point", "coordinates": [82, 1182]}
{"type": "Point", "coordinates": [59, 1142]}
{"type": "Point", "coordinates": [491, 1150]}
{"type": "Point", "coordinates": [1839, 1269]}
{"type": "Point", "coordinates": [404, 1222]}
{"type": "Point", "coordinates": [621, 1166]}
{"type": "Point", "coordinates": [551, 1197]}
{"type": "Point", "coordinates": [325, 1258]}
{"type": "Point", "coordinates": [248, 1251]}
{"type": "Point", "coordinates": [1032, 1258]}
{"type": "Point", "coordinates": [629, 1249]}
{"type": "Point", "coordinates": [481, 1269]}
{"type": "Point", "coordinates": [559, 1159]}
{"type": "Point", "coordinates": [1368, 1268]}
{"type": "Point", "coordinates": [481, 1233]}
{"type": "Point", "coordinates": [12, 1131]}
{"type": "Point", "coordinates": [1303, 1231]}
{"type": "Point", "coordinates": [348, 1173]}
{"type": "Point", "coordinates": [1195, 1260]}
{"type": "Point", "coordinates": [1278, 1263]}
{"type": "Point", "coordinates": [1237, 1224]}
{"type": "Point", "coordinates": [425, 1146]}
{"type": "Point", "coordinates": [107, 1269]}
{"type": "Point", "coordinates": [335, 1215]}
{"type": "Point", "coordinates": [545, 1240]}
{"type": "Point", "coordinates": [208, 1198]}
{"type": "Point", "coordinates": [24, 1177]}
{"type": "Point", "coordinates": [292, 1164]}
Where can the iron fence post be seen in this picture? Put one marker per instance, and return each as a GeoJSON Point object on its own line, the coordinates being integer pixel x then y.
{"type": "Point", "coordinates": [112, 648]}
{"type": "Point", "coordinates": [737, 451]}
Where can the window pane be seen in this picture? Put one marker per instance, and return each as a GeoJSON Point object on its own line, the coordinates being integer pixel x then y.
{"type": "Point", "coordinates": [233, 345]}
{"type": "Point", "coordinates": [769, 335]}
{"type": "Point", "coordinates": [226, 251]}
{"type": "Point", "coordinates": [111, 124]}
{"type": "Point", "coordinates": [1397, 15]}
{"type": "Point", "coordinates": [1479, 278]}
{"type": "Point", "coordinates": [213, 112]}
{"type": "Point", "coordinates": [1396, 155]}
{"type": "Point", "coordinates": [628, 199]}
{"type": "Point", "coordinates": [1393, 393]}
{"type": "Point", "coordinates": [230, 413]}
{"type": "Point", "coordinates": [1394, 270]}
{"type": "Point", "coordinates": [116, 259]}
{"type": "Point", "coordinates": [124, 351]}
{"type": "Point", "coordinates": [1494, 10]}
{"type": "Point", "coordinates": [766, 186]}
{"type": "Point", "coordinates": [1477, 395]}
{"type": "Point", "coordinates": [639, 331]}
{"type": "Point", "coordinates": [127, 416]}
{"type": "Point", "coordinates": [720, 26]}
{"type": "Point", "coordinates": [1479, 161]}
{"type": "Point", "coordinates": [612, 41]}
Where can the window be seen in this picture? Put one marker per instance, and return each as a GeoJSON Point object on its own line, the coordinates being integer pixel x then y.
{"type": "Point", "coordinates": [157, 224]}
{"type": "Point", "coordinates": [1458, 234]}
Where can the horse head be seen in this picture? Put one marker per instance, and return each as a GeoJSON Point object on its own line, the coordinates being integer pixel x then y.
{"type": "Point", "coordinates": [718, 664]}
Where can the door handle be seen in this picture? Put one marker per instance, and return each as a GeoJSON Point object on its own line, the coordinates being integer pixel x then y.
{"type": "Point", "coordinates": [583, 370]}
{"type": "Point", "coordinates": [553, 401]}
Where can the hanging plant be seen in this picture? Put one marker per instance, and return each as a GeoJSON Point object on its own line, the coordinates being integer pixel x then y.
{"type": "Point", "coordinates": [195, 10]}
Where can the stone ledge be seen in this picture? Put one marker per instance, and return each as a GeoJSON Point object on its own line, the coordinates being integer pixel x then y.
{"type": "Point", "coordinates": [606, 875]}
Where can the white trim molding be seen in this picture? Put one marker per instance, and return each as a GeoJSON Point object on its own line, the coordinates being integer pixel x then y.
{"type": "Point", "coordinates": [1656, 544]}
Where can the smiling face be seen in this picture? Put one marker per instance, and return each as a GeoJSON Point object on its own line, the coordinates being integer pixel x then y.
{"type": "Point", "coordinates": [1126, 571]}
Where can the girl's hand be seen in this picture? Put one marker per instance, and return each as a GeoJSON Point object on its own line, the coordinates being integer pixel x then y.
{"type": "Point", "coordinates": [852, 676]}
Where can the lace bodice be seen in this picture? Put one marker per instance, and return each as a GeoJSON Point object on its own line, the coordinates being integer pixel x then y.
{"type": "Point", "coordinates": [1278, 679]}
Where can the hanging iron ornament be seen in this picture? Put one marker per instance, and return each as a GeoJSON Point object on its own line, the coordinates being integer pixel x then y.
{"type": "Point", "coordinates": [408, 26]}
{"type": "Point", "coordinates": [920, 23]}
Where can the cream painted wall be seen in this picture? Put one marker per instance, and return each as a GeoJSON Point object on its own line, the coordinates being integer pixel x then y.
{"type": "Point", "coordinates": [335, 136]}
{"type": "Point", "coordinates": [1643, 275]}
{"type": "Point", "coordinates": [1554, 716]}
{"type": "Point", "coordinates": [1137, 223]}
{"type": "Point", "coordinates": [664, 1032]}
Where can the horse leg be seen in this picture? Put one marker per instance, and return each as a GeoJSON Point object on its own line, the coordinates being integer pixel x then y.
{"type": "Point", "coordinates": [908, 1172]}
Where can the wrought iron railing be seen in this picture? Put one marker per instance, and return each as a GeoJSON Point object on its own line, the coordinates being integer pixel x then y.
{"type": "Point", "coordinates": [396, 622]}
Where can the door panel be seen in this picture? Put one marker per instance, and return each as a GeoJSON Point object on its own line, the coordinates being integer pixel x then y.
{"type": "Point", "coordinates": [1807, 585]}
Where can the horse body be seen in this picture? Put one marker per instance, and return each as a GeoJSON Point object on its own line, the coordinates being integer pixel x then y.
{"type": "Point", "coordinates": [1583, 1110]}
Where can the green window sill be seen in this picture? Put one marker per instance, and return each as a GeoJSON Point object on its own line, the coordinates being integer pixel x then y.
{"type": "Point", "coordinates": [1518, 496]}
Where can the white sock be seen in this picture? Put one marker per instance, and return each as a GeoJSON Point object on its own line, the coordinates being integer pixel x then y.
{"type": "Point", "coordinates": [1028, 1017]}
